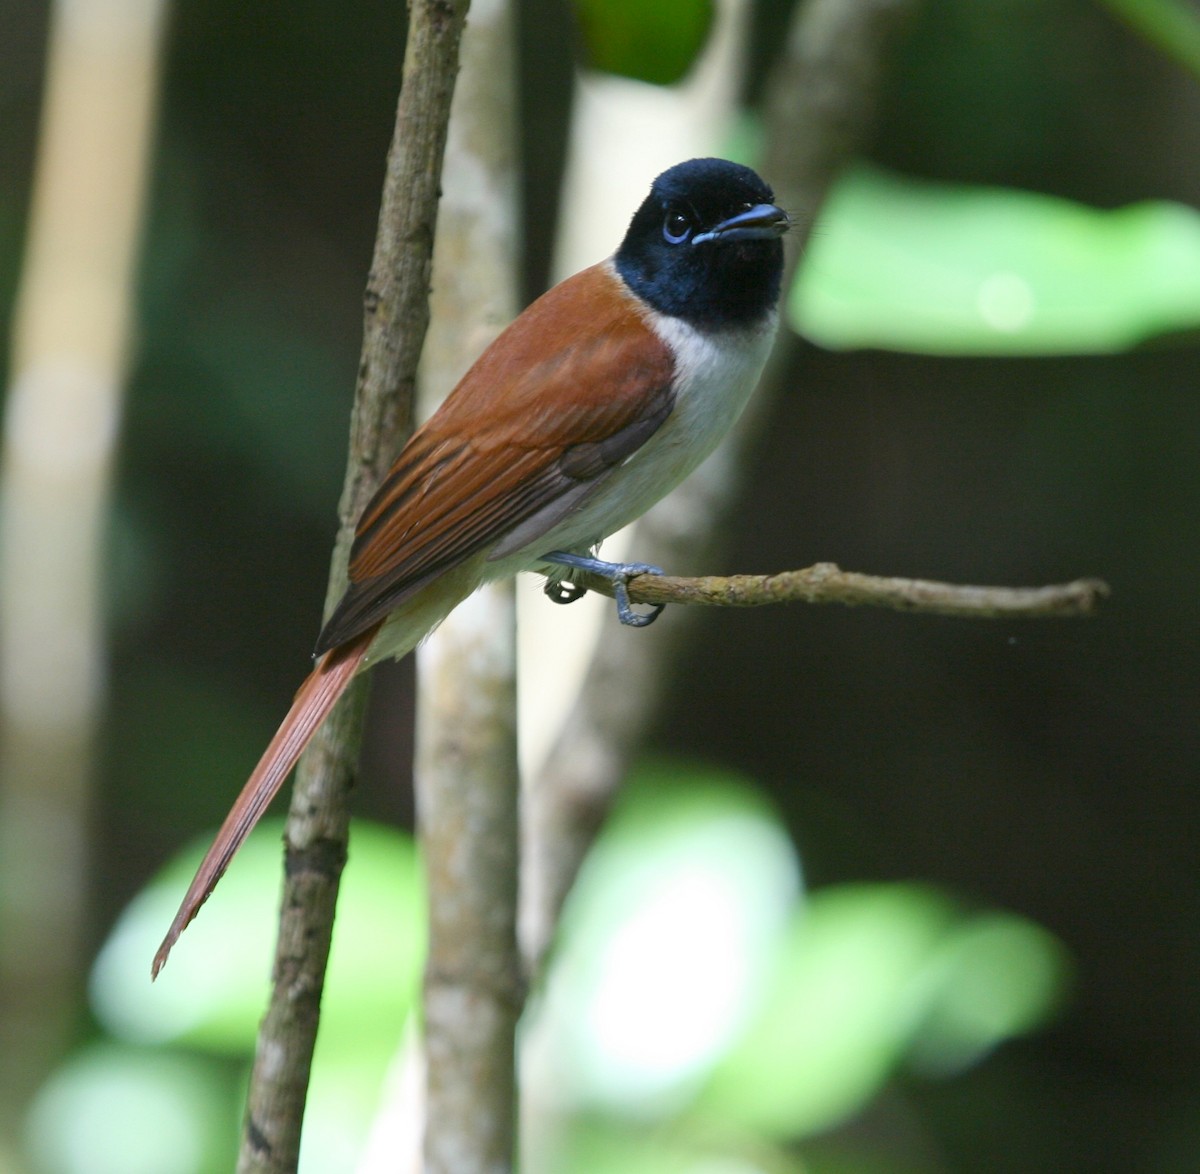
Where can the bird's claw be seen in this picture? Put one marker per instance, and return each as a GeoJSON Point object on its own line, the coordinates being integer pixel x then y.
{"type": "Point", "coordinates": [618, 574]}
{"type": "Point", "coordinates": [557, 591]}
{"type": "Point", "coordinates": [625, 612]}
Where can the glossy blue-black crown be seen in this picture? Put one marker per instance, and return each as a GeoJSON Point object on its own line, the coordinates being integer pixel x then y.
{"type": "Point", "coordinates": [705, 245]}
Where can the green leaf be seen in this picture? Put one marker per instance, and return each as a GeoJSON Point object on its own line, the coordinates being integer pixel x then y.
{"type": "Point", "coordinates": [1171, 26]}
{"type": "Point", "coordinates": [958, 270]}
{"type": "Point", "coordinates": [1002, 976]}
{"type": "Point", "coordinates": [654, 42]}
{"type": "Point", "coordinates": [849, 989]}
{"type": "Point", "coordinates": [590, 1145]}
{"type": "Point", "coordinates": [868, 977]}
{"type": "Point", "coordinates": [213, 991]}
{"type": "Point", "coordinates": [666, 940]}
{"type": "Point", "coordinates": [112, 1109]}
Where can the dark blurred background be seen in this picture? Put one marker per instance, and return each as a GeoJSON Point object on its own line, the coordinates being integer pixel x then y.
{"type": "Point", "coordinates": [1048, 768]}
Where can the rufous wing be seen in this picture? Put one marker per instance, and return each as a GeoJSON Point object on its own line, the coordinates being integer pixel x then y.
{"type": "Point", "coordinates": [575, 385]}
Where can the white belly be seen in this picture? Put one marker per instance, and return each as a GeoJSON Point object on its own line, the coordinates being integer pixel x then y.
{"type": "Point", "coordinates": [715, 377]}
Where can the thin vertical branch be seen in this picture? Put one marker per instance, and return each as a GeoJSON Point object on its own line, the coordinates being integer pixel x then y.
{"type": "Point", "coordinates": [823, 94]}
{"type": "Point", "coordinates": [395, 318]}
{"type": "Point", "coordinates": [820, 108]}
{"type": "Point", "coordinates": [467, 808]}
{"type": "Point", "coordinates": [71, 337]}
{"type": "Point", "coordinates": [466, 774]}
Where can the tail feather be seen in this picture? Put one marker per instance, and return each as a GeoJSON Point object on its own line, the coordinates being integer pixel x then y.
{"type": "Point", "coordinates": [314, 699]}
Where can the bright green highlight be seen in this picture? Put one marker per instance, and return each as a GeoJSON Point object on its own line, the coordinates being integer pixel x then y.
{"type": "Point", "coordinates": [115, 1109]}
{"type": "Point", "coordinates": [702, 1012]}
{"type": "Point", "coordinates": [907, 265]}
{"type": "Point", "coordinates": [868, 977]}
{"type": "Point", "coordinates": [212, 992]}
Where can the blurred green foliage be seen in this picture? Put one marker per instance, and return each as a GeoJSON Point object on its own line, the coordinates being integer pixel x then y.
{"type": "Point", "coordinates": [1046, 770]}
{"type": "Point", "coordinates": [1171, 25]}
{"type": "Point", "coordinates": [118, 1109]}
{"type": "Point", "coordinates": [695, 995]}
{"type": "Point", "coordinates": [959, 270]}
{"type": "Point", "coordinates": [211, 995]}
{"type": "Point", "coordinates": [656, 42]}
{"type": "Point", "coordinates": [869, 976]}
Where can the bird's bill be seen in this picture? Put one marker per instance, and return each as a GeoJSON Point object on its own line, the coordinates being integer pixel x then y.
{"type": "Point", "coordinates": [762, 222]}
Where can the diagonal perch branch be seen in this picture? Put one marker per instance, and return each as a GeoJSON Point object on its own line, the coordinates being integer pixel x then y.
{"type": "Point", "coordinates": [828, 583]}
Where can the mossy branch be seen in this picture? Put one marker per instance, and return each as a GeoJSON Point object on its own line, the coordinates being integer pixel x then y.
{"type": "Point", "coordinates": [828, 583]}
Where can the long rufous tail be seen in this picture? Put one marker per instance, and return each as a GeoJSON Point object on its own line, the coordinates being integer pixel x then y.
{"type": "Point", "coordinates": [315, 698]}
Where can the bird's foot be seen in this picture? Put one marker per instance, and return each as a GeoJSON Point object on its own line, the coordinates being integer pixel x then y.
{"type": "Point", "coordinates": [618, 574]}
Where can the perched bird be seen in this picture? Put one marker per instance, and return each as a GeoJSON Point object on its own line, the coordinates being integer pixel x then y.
{"type": "Point", "coordinates": [599, 399]}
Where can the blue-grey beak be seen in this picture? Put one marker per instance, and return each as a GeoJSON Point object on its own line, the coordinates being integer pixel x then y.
{"type": "Point", "coordinates": [760, 223]}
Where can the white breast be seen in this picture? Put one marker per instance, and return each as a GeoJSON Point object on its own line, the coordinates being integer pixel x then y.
{"type": "Point", "coordinates": [715, 373]}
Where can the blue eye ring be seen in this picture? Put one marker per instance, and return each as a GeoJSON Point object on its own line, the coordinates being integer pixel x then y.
{"type": "Point", "coordinates": [677, 226]}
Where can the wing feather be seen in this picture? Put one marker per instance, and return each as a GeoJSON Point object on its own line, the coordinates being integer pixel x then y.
{"type": "Point", "coordinates": [573, 387]}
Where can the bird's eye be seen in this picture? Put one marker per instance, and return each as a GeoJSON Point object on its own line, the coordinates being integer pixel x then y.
{"type": "Point", "coordinates": [677, 227]}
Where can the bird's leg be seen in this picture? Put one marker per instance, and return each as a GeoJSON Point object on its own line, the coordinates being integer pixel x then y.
{"type": "Point", "coordinates": [618, 574]}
